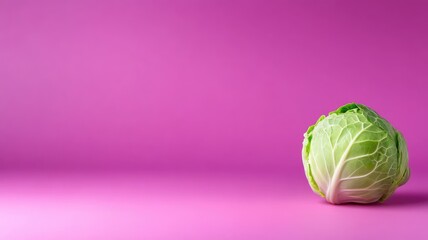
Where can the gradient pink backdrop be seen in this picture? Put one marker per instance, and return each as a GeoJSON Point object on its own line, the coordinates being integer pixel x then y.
{"type": "Point", "coordinates": [199, 87]}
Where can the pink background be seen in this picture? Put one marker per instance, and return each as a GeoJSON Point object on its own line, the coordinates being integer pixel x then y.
{"type": "Point", "coordinates": [184, 119]}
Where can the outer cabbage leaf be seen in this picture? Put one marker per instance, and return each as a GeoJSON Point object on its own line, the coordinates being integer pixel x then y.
{"type": "Point", "coordinates": [305, 156]}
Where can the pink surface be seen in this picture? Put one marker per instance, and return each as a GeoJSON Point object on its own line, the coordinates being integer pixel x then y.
{"type": "Point", "coordinates": [132, 119]}
{"type": "Point", "coordinates": [129, 206]}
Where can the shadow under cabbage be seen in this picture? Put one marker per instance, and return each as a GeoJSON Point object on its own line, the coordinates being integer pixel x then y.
{"type": "Point", "coordinates": [407, 199]}
{"type": "Point", "coordinates": [398, 199]}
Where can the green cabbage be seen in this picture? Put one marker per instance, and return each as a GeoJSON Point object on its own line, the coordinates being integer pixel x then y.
{"type": "Point", "coordinates": [354, 155]}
